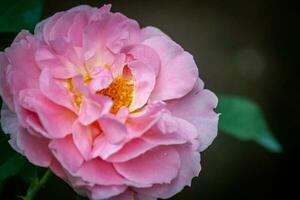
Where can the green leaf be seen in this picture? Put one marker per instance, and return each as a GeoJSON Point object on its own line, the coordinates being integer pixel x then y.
{"type": "Point", "coordinates": [243, 119]}
{"type": "Point", "coordinates": [19, 14]}
{"type": "Point", "coordinates": [11, 167]}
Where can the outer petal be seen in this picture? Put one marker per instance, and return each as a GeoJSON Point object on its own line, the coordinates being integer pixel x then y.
{"type": "Point", "coordinates": [5, 91]}
{"type": "Point", "coordinates": [9, 121]}
{"type": "Point", "coordinates": [186, 173]}
{"type": "Point", "coordinates": [105, 192]}
{"type": "Point", "coordinates": [100, 172]}
{"type": "Point", "coordinates": [66, 153]}
{"type": "Point", "coordinates": [127, 195]}
{"type": "Point", "coordinates": [57, 120]}
{"type": "Point", "coordinates": [24, 72]}
{"type": "Point", "coordinates": [150, 31]}
{"type": "Point", "coordinates": [144, 169]}
{"type": "Point", "coordinates": [197, 108]}
{"type": "Point", "coordinates": [178, 72]}
{"type": "Point", "coordinates": [36, 149]}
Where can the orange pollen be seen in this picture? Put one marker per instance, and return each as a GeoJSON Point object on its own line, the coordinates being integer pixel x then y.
{"type": "Point", "coordinates": [121, 92]}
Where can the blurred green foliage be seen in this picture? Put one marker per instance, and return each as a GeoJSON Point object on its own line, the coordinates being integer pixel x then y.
{"type": "Point", "coordinates": [19, 14]}
{"type": "Point", "coordinates": [243, 119]}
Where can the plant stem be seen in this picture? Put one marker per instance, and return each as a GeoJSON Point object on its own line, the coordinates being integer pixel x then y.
{"type": "Point", "coordinates": [36, 185]}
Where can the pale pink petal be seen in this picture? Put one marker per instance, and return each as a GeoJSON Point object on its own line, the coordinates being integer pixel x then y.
{"type": "Point", "coordinates": [143, 169]}
{"type": "Point", "coordinates": [184, 178]}
{"type": "Point", "coordinates": [178, 72]}
{"type": "Point", "coordinates": [55, 119]}
{"type": "Point", "coordinates": [101, 79]}
{"type": "Point", "coordinates": [9, 121]}
{"type": "Point", "coordinates": [150, 31]}
{"type": "Point", "coordinates": [36, 149]}
{"type": "Point", "coordinates": [197, 108]}
{"type": "Point", "coordinates": [66, 153]}
{"type": "Point", "coordinates": [100, 172]}
{"type": "Point", "coordinates": [144, 81]}
{"type": "Point", "coordinates": [146, 55]}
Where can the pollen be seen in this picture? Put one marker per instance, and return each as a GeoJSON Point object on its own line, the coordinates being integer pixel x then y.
{"type": "Point", "coordinates": [77, 96]}
{"type": "Point", "coordinates": [121, 92]}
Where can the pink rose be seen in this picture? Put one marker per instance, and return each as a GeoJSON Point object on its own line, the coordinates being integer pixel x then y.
{"type": "Point", "coordinates": [115, 110]}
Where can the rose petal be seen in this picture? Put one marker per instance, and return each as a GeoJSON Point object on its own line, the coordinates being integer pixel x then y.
{"type": "Point", "coordinates": [100, 172]}
{"type": "Point", "coordinates": [144, 81]}
{"type": "Point", "coordinates": [186, 173]}
{"type": "Point", "coordinates": [197, 108]}
{"type": "Point", "coordinates": [56, 120]}
{"type": "Point", "coordinates": [66, 153]}
{"type": "Point", "coordinates": [143, 169]}
{"type": "Point", "coordinates": [177, 66]}
{"type": "Point", "coordinates": [36, 149]}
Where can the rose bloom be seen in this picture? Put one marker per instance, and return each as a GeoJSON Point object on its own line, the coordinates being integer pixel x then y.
{"type": "Point", "coordinates": [115, 110]}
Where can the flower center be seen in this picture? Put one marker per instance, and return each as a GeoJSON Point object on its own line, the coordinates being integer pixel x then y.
{"type": "Point", "coordinates": [120, 91]}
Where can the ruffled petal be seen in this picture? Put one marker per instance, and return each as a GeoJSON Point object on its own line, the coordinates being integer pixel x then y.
{"type": "Point", "coordinates": [57, 120]}
{"type": "Point", "coordinates": [66, 153]}
{"type": "Point", "coordinates": [36, 149]}
{"type": "Point", "coordinates": [198, 108]}
{"type": "Point", "coordinates": [178, 72]}
{"type": "Point", "coordinates": [143, 169]}
{"type": "Point", "coordinates": [144, 81]}
{"type": "Point", "coordinates": [100, 172]}
{"type": "Point", "coordinates": [184, 178]}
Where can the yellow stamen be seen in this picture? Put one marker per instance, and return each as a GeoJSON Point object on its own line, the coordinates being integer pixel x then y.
{"type": "Point", "coordinates": [78, 97]}
{"type": "Point", "coordinates": [121, 93]}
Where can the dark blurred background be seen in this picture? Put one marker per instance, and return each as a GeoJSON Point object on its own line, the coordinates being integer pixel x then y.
{"type": "Point", "coordinates": [247, 48]}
